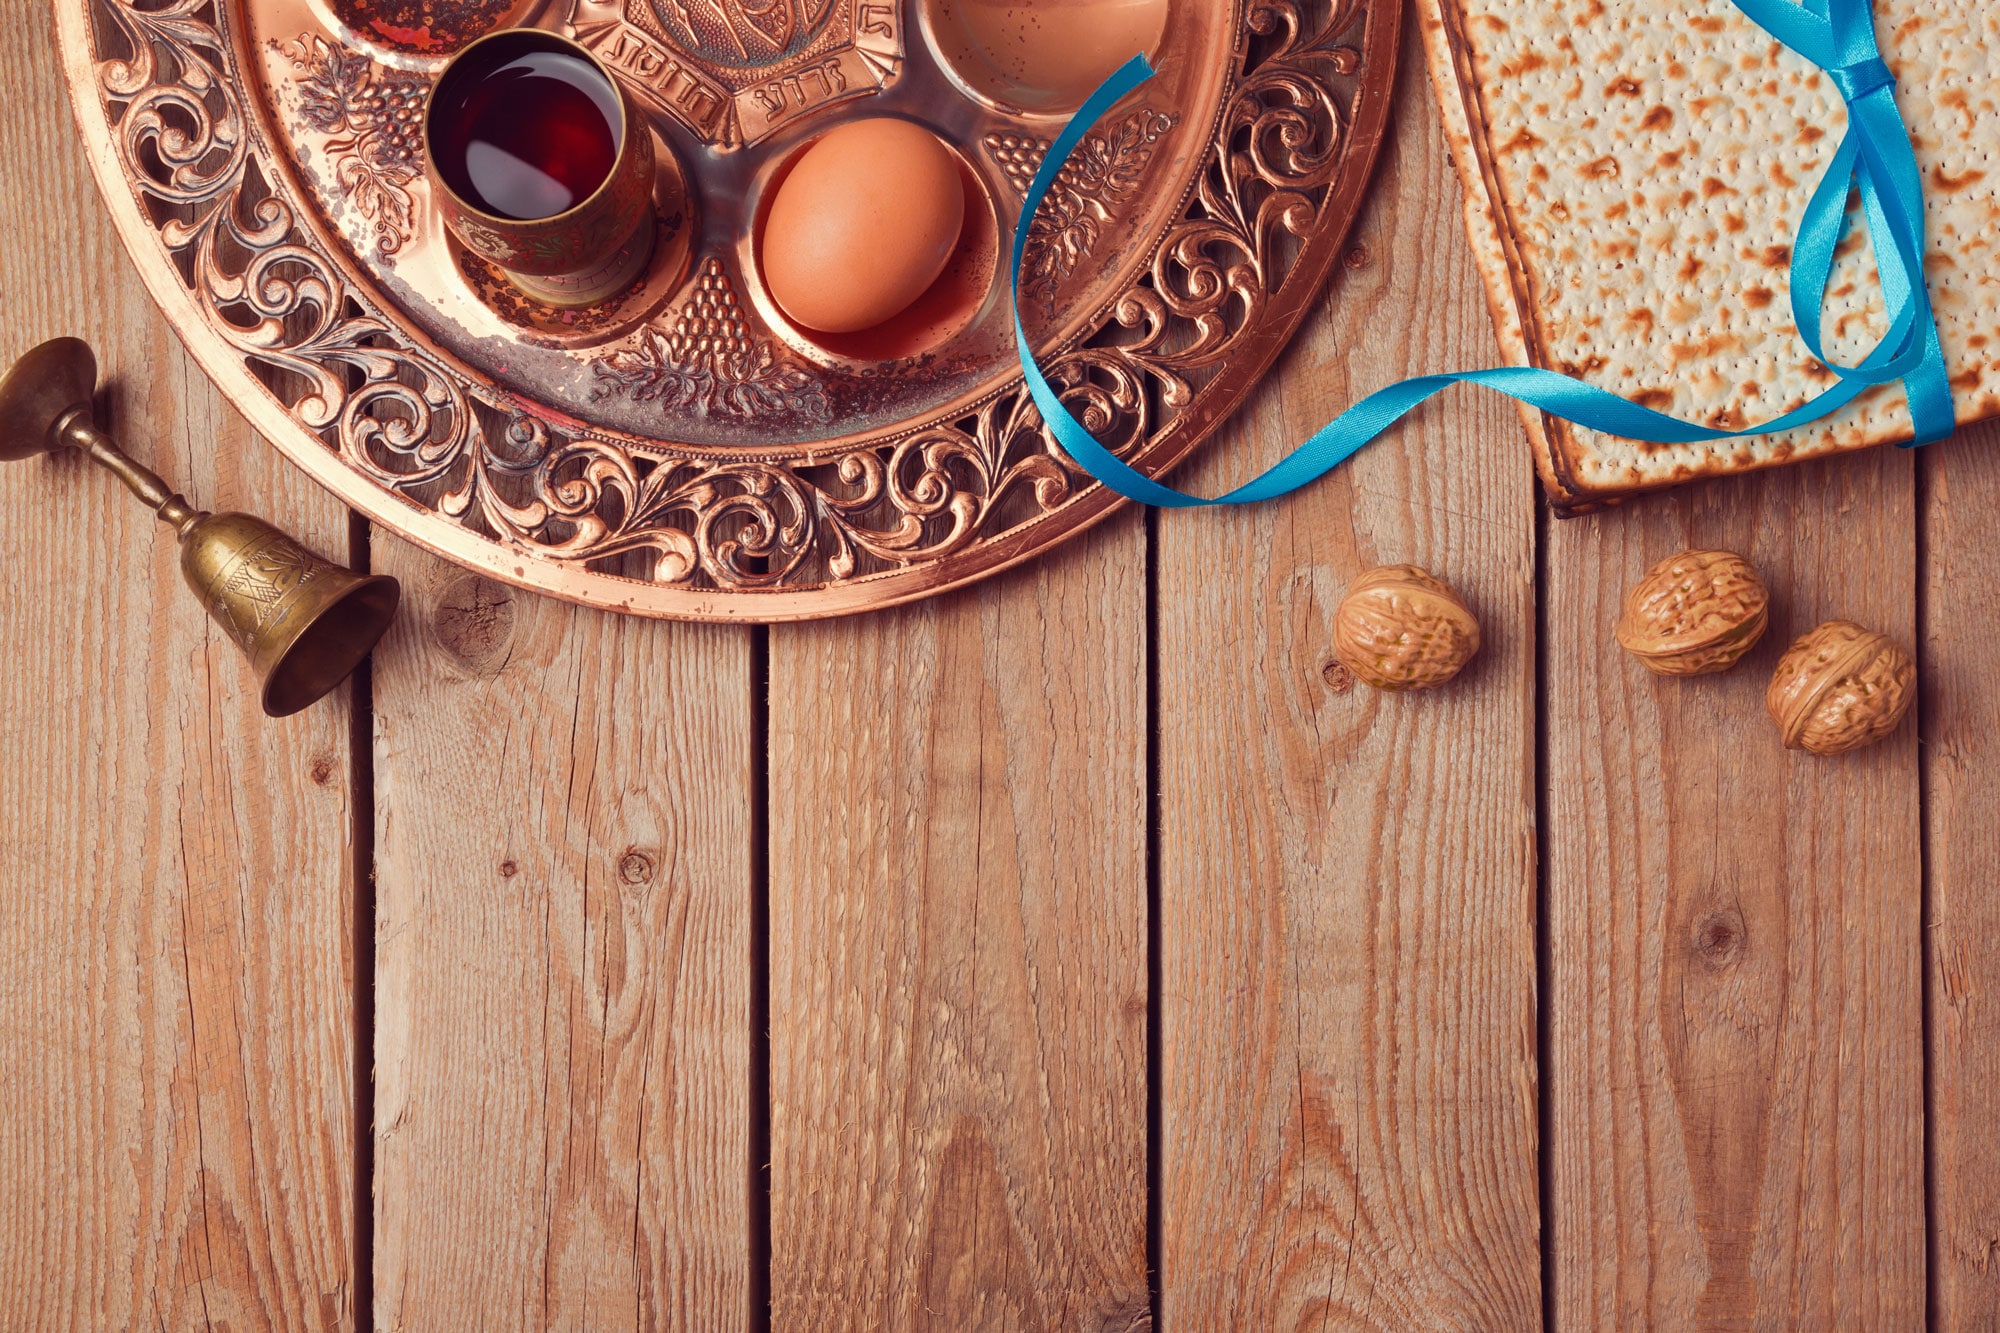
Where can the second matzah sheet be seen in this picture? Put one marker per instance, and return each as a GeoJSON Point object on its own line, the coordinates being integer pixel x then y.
{"type": "Point", "coordinates": [1634, 175]}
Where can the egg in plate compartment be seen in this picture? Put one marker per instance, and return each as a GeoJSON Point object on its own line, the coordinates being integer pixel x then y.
{"type": "Point", "coordinates": [876, 241]}
{"type": "Point", "coordinates": [1043, 56]}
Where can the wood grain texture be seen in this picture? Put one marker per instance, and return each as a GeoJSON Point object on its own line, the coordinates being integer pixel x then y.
{"type": "Point", "coordinates": [564, 859]}
{"type": "Point", "coordinates": [1961, 734]}
{"type": "Point", "coordinates": [176, 874]}
{"type": "Point", "coordinates": [958, 945]}
{"type": "Point", "coordinates": [1347, 878]}
{"type": "Point", "coordinates": [1735, 1009]}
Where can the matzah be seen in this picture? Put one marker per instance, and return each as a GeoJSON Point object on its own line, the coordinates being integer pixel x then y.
{"type": "Point", "coordinates": [1634, 171]}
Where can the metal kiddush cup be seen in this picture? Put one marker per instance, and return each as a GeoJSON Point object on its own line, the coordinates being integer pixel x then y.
{"type": "Point", "coordinates": [305, 623]}
{"type": "Point", "coordinates": [537, 122]}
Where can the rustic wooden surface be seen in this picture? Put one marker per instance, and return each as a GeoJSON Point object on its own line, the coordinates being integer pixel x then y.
{"type": "Point", "coordinates": [958, 956]}
{"type": "Point", "coordinates": [177, 1050]}
{"type": "Point", "coordinates": [563, 881]}
{"type": "Point", "coordinates": [1960, 495]}
{"type": "Point", "coordinates": [1735, 1048]}
{"type": "Point", "coordinates": [1347, 880]}
{"type": "Point", "coordinates": [1075, 952]}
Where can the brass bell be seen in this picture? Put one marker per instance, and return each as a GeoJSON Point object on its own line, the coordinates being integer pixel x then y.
{"type": "Point", "coordinates": [304, 622]}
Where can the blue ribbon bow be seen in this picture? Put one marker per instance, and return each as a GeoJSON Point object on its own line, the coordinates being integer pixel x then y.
{"type": "Point", "coordinates": [1838, 36]}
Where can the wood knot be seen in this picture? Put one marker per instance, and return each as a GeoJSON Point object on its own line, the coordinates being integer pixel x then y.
{"type": "Point", "coordinates": [1337, 677]}
{"type": "Point", "coordinates": [1357, 256]}
{"type": "Point", "coordinates": [635, 867]}
{"type": "Point", "coordinates": [322, 770]}
{"type": "Point", "coordinates": [474, 622]}
{"type": "Point", "coordinates": [1720, 939]}
{"type": "Point", "coordinates": [508, 870]}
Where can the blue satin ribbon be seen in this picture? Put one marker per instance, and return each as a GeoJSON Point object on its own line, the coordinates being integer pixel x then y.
{"type": "Point", "coordinates": [1836, 35]}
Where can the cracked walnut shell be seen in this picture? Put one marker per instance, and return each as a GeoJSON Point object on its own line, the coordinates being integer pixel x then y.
{"type": "Point", "coordinates": [1400, 628]}
{"type": "Point", "coordinates": [1695, 613]}
{"type": "Point", "coordinates": [1841, 687]}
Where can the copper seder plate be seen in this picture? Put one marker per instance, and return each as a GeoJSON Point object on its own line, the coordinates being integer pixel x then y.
{"type": "Point", "coordinates": [681, 450]}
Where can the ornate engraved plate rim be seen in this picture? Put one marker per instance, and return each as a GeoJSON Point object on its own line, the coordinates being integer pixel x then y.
{"type": "Point", "coordinates": [756, 540]}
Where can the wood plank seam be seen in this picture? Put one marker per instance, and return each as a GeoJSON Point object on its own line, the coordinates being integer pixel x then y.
{"type": "Point", "coordinates": [758, 1150]}
{"type": "Point", "coordinates": [361, 761]}
{"type": "Point", "coordinates": [1960, 720]}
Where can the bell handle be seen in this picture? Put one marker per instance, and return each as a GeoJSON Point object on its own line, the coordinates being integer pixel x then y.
{"type": "Point", "coordinates": [78, 431]}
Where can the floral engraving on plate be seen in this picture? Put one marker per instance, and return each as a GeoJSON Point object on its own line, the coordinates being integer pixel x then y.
{"type": "Point", "coordinates": [373, 118]}
{"type": "Point", "coordinates": [708, 361]}
{"type": "Point", "coordinates": [1102, 174]}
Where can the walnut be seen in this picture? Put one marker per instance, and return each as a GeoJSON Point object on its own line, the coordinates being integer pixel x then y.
{"type": "Point", "coordinates": [1399, 628]}
{"type": "Point", "coordinates": [1695, 613]}
{"type": "Point", "coordinates": [1839, 688]}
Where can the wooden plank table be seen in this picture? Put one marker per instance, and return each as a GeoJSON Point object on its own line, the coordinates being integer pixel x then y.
{"type": "Point", "coordinates": [1080, 951]}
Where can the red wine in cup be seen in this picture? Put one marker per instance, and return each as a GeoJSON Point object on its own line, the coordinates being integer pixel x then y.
{"type": "Point", "coordinates": [523, 129]}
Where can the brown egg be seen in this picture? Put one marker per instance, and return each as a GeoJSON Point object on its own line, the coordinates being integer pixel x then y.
{"type": "Point", "coordinates": [863, 225]}
{"type": "Point", "coordinates": [1045, 55]}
